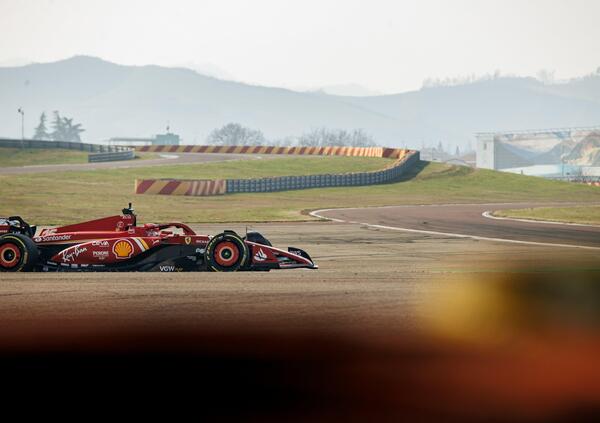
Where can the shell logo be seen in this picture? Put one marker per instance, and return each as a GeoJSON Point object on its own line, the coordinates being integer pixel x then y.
{"type": "Point", "coordinates": [123, 249]}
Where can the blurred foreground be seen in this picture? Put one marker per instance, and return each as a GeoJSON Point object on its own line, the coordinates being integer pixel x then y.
{"type": "Point", "coordinates": [393, 326]}
{"type": "Point", "coordinates": [516, 346]}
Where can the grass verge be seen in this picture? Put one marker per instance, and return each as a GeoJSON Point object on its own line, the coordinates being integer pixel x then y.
{"type": "Point", "coordinates": [12, 157]}
{"type": "Point", "coordinates": [66, 197]}
{"type": "Point", "coordinates": [577, 214]}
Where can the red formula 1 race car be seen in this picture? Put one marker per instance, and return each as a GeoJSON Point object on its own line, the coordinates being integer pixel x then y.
{"type": "Point", "coordinates": [116, 243]}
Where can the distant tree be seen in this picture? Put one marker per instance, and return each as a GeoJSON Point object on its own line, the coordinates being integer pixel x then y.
{"type": "Point", "coordinates": [359, 138]}
{"type": "Point", "coordinates": [235, 134]}
{"type": "Point", "coordinates": [41, 132]}
{"type": "Point", "coordinates": [323, 137]}
{"type": "Point", "coordinates": [546, 76]}
{"type": "Point", "coordinates": [284, 142]}
{"type": "Point", "coordinates": [58, 127]}
{"type": "Point", "coordinates": [72, 131]}
{"type": "Point", "coordinates": [313, 138]}
{"type": "Point", "coordinates": [63, 129]}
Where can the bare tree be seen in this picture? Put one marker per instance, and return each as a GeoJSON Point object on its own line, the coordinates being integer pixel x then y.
{"type": "Point", "coordinates": [324, 137]}
{"type": "Point", "coordinates": [235, 134]}
{"type": "Point", "coordinates": [284, 142]}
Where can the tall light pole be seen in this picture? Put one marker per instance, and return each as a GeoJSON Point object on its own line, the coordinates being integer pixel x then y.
{"type": "Point", "coordinates": [22, 113]}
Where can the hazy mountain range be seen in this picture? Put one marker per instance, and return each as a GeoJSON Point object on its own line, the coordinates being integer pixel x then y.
{"type": "Point", "coordinates": [113, 100]}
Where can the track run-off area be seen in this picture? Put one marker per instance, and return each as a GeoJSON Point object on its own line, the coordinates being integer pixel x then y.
{"type": "Point", "coordinates": [469, 221]}
{"type": "Point", "coordinates": [161, 160]}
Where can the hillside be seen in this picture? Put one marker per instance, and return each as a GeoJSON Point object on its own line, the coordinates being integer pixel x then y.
{"type": "Point", "coordinates": [114, 100]}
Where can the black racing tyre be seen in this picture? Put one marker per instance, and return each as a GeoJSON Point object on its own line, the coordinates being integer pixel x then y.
{"type": "Point", "coordinates": [226, 252]}
{"type": "Point", "coordinates": [18, 253]}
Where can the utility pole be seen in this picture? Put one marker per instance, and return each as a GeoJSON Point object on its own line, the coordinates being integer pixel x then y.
{"type": "Point", "coordinates": [22, 113]}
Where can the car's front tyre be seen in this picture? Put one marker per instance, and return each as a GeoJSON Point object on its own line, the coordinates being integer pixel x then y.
{"type": "Point", "coordinates": [226, 252]}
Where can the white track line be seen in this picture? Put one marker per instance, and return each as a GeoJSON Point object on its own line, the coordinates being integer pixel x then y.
{"type": "Point", "coordinates": [489, 215]}
{"type": "Point", "coordinates": [454, 235]}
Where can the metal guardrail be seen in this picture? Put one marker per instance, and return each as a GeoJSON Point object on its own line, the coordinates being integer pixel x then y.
{"type": "Point", "coordinates": [98, 152]}
{"type": "Point", "coordinates": [286, 183]}
{"type": "Point", "coordinates": [111, 157]}
{"type": "Point", "coordinates": [81, 146]}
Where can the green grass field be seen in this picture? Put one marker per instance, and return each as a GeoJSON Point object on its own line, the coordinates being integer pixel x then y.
{"type": "Point", "coordinates": [576, 214]}
{"type": "Point", "coordinates": [10, 157]}
{"type": "Point", "coordinates": [15, 157]}
{"type": "Point", "coordinates": [64, 197]}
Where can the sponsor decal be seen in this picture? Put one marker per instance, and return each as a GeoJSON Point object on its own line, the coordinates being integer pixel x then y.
{"type": "Point", "coordinates": [100, 255]}
{"type": "Point", "coordinates": [188, 240]}
{"type": "Point", "coordinates": [260, 255]}
{"type": "Point", "coordinates": [141, 243]}
{"type": "Point", "coordinates": [123, 249]}
{"type": "Point", "coordinates": [295, 252]}
{"type": "Point", "coordinates": [53, 238]}
{"type": "Point", "coordinates": [100, 244]}
{"type": "Point", "coordinates": [71, 254]}
{"type": "Point", "coordinates": [170, 269]}
{"type": "Point", "coordinates": [120, 225]}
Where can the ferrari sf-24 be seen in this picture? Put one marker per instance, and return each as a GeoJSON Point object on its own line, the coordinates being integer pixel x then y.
{"type": "Point", "coordinates": [117, 243]}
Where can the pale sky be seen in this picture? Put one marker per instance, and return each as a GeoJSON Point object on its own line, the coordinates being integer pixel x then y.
{"type": "Point", "coordinates": [387, 46]}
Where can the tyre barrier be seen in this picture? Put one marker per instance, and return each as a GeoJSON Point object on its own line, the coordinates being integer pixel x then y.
{"type": "Point", "coordinates": [405, 159]}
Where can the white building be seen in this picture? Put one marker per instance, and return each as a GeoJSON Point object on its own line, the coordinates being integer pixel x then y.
{"type": "Point", "coordinates": [547, 152]}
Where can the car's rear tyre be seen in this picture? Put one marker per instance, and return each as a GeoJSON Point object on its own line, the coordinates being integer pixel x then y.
{"type": "Point", "coordinates": [226, 252]}
{"type": "Point", "coordinates": [18, 253]}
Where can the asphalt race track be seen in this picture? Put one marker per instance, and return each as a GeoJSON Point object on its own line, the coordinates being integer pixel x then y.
{"type": "Point", "coordinates": [165, 159]}
{"type": "Point", "coordinates": [468, 221]}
